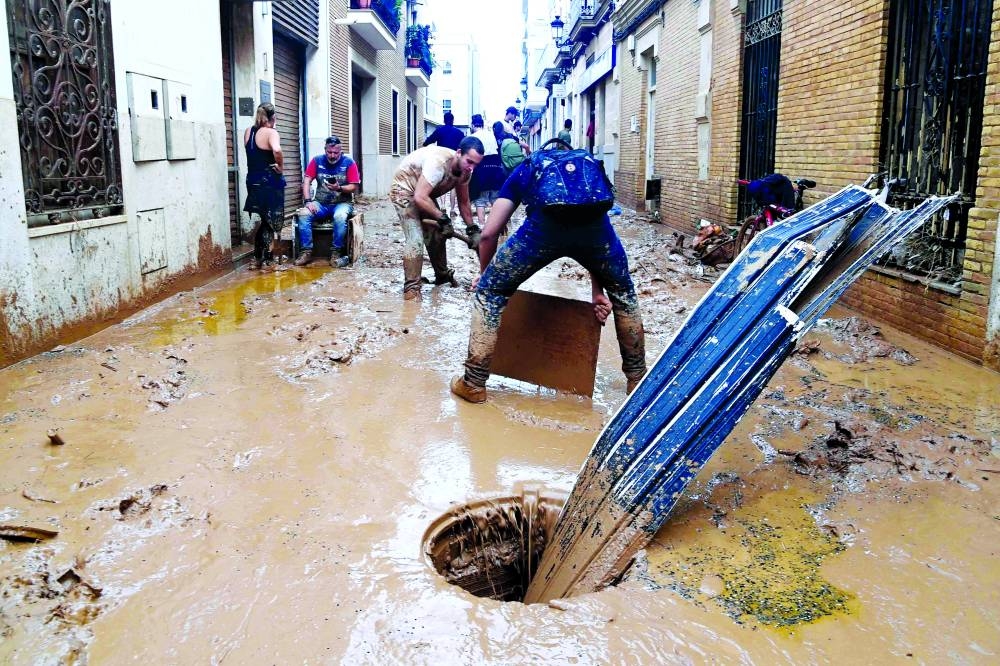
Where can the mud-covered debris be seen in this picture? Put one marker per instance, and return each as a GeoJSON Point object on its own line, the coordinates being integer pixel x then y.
{"type": "Point", "coordinates": [58, 348]}
{"type": "Point", "coordinates": [303, 334]}
{"type": "Point", "coordinates": [54, 437]}
{"type": "Point", "coordinates": [136, 503]}
{"type": "Point", "coordinates": [864, 341]}
{"type": "Point", "coordinates": [807, 347]}
{"type": "Point", "coordinates": [26, 494]}
{"type": "Point", "coordinates": [109, 366]}
{"type": "Point", "coordinates": [71, 579]}
{"type": "Point", "coordinates": [26, 532]}
{"type": "Point", "coordinates": [861, 457]}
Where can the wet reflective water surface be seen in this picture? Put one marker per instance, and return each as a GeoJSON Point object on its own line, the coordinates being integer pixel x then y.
{"type": "Point", "coordinates": [249, 470]}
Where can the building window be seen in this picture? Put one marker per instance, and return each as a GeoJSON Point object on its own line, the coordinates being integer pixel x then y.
{"type": "Point", "coordinates": [409, 106]}
{"type": "Point", "coordinates": [395, 122]}
{"type": "Point", "coordinates": [413, 125]}
{"type": "Point", "coordinates": [446, 105]}
{"type": "Point", "coordinates": [64, 93]}
{"type": "Point", "coordinates": [932, 121]}
{"type": "Point", "coordinates": [446, 69]}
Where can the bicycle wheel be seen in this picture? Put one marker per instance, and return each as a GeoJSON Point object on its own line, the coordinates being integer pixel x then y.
{"type": "Point", "coordinates": [752, 225]}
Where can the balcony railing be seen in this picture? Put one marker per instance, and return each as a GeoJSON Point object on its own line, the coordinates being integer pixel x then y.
{"type": "Point", "coordinates": [384, 9]}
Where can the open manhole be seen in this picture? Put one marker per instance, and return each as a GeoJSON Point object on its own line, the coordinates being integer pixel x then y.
{"type": "Point", "coordinates": [491, 547]}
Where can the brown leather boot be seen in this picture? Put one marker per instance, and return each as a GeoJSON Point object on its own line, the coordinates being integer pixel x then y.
{"type": "Point", "coordinates": [304, 258]}
{"type": "Point", "coordinates": [467, 391]}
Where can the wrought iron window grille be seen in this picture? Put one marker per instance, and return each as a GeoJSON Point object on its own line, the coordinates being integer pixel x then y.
{"type": "Point", "coordinates": [933, 121]}
{"type": "Point", "coordinates": [67, 121]}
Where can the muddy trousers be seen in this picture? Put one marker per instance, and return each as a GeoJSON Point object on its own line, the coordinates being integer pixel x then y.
{"type": "Point", "coordinates": [415, 238]}
{"type": "Point", "coordinates": [532, 247]}
{"type": "Point", "coordinates": [263, 238]}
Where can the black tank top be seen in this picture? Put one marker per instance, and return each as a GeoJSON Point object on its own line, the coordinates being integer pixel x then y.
{"type": "Point", "coordinates": [258, 159]}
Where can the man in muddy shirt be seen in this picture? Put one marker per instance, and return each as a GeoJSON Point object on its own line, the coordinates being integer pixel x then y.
{"type": "Point", "coordinates": [539, 241]}
{"type": "Point", "coordinates": [422, 176]}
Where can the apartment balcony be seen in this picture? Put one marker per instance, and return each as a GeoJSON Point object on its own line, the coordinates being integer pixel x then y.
{"type": "Point", "coordinates": [418, 72]}
{"type": "Point", "coordinates": [419, 61]}
{"type": "Point", "coordinates": [586, 17]}
{"type": "Point", "coordinates": [564, 56]}
{"type": "Point", "coordinates": [374, 21]}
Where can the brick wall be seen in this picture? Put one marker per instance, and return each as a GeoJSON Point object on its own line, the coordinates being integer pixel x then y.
{"type": "Point", "coordinates": [340, 78]}
{"type": "Point", "coordinates": [829, 125]}
{"type": "Point", "coordinates": [675, 159]}
{"type": "Point", "coordinates": [630, 178]}
{"type": "Point", "coordinates": [391, 74]}
{"type": "Point", "coordinates": [830, 91]}
{"type": "Point", "coordinates": [719, 204]}
{"type": "Point", "coordinates": [983, 220]}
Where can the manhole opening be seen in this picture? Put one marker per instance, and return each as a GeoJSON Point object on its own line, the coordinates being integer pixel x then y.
{"type": "Point", "coordinates": [491, 547]}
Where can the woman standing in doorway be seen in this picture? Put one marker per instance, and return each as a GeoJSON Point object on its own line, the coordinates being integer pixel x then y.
{"type": "Point", "coordinates": [265, 184]}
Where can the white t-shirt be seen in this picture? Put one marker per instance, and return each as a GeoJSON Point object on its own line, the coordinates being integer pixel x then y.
{"type": "Point", "coordinates": [431, 162]}
{"type": "Point", "coordinates": [489, 141]}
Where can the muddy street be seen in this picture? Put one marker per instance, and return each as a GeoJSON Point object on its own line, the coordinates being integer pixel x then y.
{"type": "Point", "coordinates": [249, 469]}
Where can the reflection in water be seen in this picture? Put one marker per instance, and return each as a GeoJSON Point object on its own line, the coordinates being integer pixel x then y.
{"type": "Point", "coordinates": [445, 473]}
{"type": "Point", "coordinates": [227, 309]}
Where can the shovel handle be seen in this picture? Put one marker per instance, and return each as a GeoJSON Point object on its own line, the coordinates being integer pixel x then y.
{"type": "Point", "coordinates": [455, 234]}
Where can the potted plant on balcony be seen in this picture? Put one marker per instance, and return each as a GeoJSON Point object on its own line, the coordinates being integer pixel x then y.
{"type": "Point", "coordinates": [414, 44]}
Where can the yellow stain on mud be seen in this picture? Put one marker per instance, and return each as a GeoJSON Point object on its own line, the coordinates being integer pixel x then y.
{"type": "Point", "coordinates": [762, 564]}
{"type": "Point", "coordinates": [223, 310]}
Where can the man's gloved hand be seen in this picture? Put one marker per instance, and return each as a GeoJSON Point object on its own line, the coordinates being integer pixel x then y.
{"type": "Point", "coordinates": [473, 232]}
{"type": "Point", "coordinates": [447, 230]}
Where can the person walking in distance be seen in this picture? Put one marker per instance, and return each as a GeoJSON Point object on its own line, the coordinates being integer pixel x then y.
{"type": "Point", "coordinates": [489, 175]}
{"type": "Point", "coordinates": [422, 176]}
{"type": "Point", "coordinates": [265, 184]}
{"type": "Point", "coordinates": [566, 133]}
{"type": "Point", "coordinates": [337, 179]}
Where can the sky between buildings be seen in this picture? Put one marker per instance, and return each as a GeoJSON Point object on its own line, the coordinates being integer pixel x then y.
{"type": "Point", "coordinates": [497, 30]}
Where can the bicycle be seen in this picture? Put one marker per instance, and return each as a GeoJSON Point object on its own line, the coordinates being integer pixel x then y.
{"type": "Point", "coordinates": [770, 214]}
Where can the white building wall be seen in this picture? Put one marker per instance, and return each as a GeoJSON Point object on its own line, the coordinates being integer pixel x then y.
{"type": "Point", "coordinates": [175, 219]}
{"type": "Point", "coordinates": [461, 86]}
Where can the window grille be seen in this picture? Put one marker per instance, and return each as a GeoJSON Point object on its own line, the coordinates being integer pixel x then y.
{"type": "Point", "coordinates": [67, 122]}
{"type": "Point", "coordinates": [933, 120]}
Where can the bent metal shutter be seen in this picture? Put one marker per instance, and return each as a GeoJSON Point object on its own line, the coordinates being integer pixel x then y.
{"type": "Point", "coordinates": [298, 18]}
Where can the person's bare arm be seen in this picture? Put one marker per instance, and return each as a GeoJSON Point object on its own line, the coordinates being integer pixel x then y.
{"type": "Point", "coordinates": [424, 201]}
{"type": "Point", "coordinates": [499, 217]}
{"type": "Point", "coordinates": [602, 306]}
{"type": "Point", "coordinates": [306, 187]}
{"type": "Point", "coordinates": [464, 202]}
{"type": "Point", "coordinates": [274, 143]}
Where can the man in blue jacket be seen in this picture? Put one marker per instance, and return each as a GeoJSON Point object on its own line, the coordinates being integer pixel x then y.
{"type": "Point", "coordinates": [590, 240]}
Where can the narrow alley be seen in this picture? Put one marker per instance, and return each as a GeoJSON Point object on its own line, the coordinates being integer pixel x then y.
{"type": "Point", "coordinates": [250, 468]}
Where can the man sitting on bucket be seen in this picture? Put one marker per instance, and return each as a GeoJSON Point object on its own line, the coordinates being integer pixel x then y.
{"type": "Point", "coordinates": [337, 179]}
{"type": "Point", "coordinates": [567, 196]}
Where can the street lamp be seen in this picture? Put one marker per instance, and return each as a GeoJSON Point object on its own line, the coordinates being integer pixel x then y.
{"type": "Point", "coordinates": [557, 30]}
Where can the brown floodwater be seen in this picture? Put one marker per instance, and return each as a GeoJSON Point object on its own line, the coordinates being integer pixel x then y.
{"type": "Point", "coordinates": [250, 470]}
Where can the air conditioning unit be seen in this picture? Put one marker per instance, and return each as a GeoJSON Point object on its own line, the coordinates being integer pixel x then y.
{"type": "Point", "coordinates": [630, 43]}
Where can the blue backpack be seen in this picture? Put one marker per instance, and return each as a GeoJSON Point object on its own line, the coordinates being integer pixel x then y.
{"type": "Point", "coordinates": [569, 185]}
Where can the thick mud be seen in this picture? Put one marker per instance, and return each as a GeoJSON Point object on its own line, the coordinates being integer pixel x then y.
{"type": "Point", "coordinates": [251, 468]}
